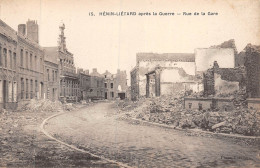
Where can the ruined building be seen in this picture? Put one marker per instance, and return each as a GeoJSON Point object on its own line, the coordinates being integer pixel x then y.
{"type": "Point", "coordinates": [146, 62]}
{"type": "Point", "coordinates": [115, 85]}
{"type": "Point", "coordinates": [172, 64]}
{"type": "Point", "coordinates": [219, 81]}
{"type": "Point", "coordinates": [169, 80]}
{"type": "Point", "coordinates": [231, 45]}
{"type": "Point", "coordinates": [220, 86]}
{"type": "Point", "coordinates": [205, 57]}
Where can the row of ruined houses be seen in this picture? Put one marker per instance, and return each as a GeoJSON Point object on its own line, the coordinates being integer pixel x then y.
{"type": "Point", "coordinates": [214, 74]}
{"type": "Point", "coordinates": [30, 71]}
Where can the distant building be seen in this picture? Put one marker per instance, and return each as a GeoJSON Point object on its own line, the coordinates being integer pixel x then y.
{"type": "Point", "coordinates": [84, 84]}
{"type": "Point", "coordinates": [51, 74]}
{"type": "Point", "coordinates": [97, 88]}
{"type": "Point", "coordinates": [145, 62]}
{"type": "Point", "coordinates": [115, 85]}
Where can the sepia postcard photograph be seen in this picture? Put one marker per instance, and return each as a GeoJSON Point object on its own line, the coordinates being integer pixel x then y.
{"type": "Point", "coordinates": [129, 83]}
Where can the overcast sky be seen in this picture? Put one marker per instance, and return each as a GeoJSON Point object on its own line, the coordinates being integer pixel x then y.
{"type": "Point", "coordinates": [111, 42]}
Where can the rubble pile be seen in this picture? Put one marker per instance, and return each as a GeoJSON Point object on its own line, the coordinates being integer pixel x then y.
{"type": "Point", "coordinates": [165, 109]}
{"type": "Point", "coordinates": [169, 110]}
{"type": "Point", "coordinates": [45, 105]}
{"type": "Point", "coordinates": [128, 105]}
{"type": "Point", "coordinates": [242, 121]}
{"type": "Point", "coordinates": [68, 106]}
{"type": "Point", "coordinates": [239, 99]}
{"type": "Point", "coordinates": [41, 105]}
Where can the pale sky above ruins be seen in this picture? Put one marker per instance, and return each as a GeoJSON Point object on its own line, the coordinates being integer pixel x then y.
{"type": "Point", "coordinates": [112, 42]}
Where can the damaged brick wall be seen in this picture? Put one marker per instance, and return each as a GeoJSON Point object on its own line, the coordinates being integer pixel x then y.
{"type": "Point", "coordinates": [222, 80]}
{"type": "Point", "coordinates": [252, 65]}
{"type": "Point", "coordinates": [208, 83]}
{"type": "Point", "coordinates": [224, 86]}
{"type": "Point", "coordinates": [239, 58]}
{"type": "Point", "coordinates": [134, 84]}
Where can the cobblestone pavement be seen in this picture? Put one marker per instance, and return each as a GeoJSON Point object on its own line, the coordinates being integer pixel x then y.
{"type": "Point", "coordinates": [22, 144]}
{"type": "Point", "coordinates": [94, 129]}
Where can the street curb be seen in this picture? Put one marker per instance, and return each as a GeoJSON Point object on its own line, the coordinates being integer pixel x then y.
{"type": "Point", "coordinates": [198, 131]}
{"type": "Point", "coordinates": [72, 146]}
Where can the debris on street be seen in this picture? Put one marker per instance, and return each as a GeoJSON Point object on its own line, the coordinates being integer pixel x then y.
{"type": "Point", "coordinates": [168, 109]}
{"type": "Point", "coordinates": [22, 144]}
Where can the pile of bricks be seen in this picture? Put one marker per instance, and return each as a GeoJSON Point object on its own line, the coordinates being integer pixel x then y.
{"type": "Point", "coordinates": [41, 105]}
{"type": "Point", "coordinates": [169, 110]}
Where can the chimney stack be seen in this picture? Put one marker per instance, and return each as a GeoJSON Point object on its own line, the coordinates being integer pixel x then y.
{"type": "Point", "coordinates": [22, 29]}
{"type": "Point", "coordinates": [80, 70]}
{"type": "Point", "coordinates": [94, 70]}
{"type": "Point", "coordinates": [87, 72]}
{"type": "Point", "coordinates": [32, 30]}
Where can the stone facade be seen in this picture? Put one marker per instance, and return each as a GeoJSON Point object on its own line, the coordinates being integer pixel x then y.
{"type": "Point", "coordinates": [222, 104]}
{"type": "Point", "coordinates": [22, 66]}
{"type": "Point", "coordinates": [197, 103]}
{"type": "Point", "coordinates": [9, 77]}
{"type": "Point", "coordinates": [52, 75]}
{"type": "Point", "coordinates": [115, 85]}
{"type": "Point", "coordinates": [31, 67]}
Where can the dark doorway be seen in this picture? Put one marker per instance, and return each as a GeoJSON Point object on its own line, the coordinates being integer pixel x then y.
{"type": "Point", "coordinates": [53, 94]}
{"type": "Point", "coordinates": [121, 96]}
{"type": "Point", "coordinates": [105, 95]}
{"type": "Point", "coordinates": [41, 90]}
{"type": "Point", "coordinates": [200, 106]}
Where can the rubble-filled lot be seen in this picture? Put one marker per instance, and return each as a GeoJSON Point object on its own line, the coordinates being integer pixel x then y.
{"type": "Point", "coordinates": [22, 144]}
{"type": "Point", "coordinates": [169, 110]}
